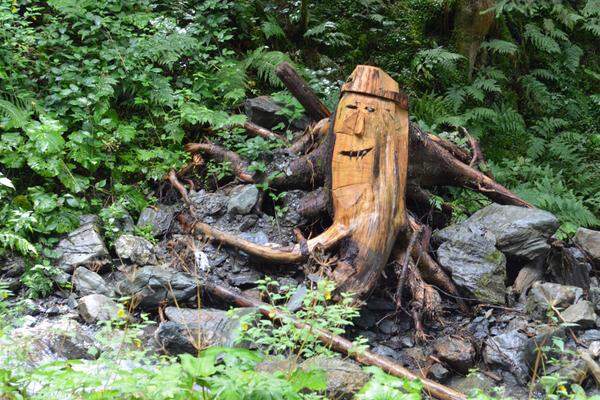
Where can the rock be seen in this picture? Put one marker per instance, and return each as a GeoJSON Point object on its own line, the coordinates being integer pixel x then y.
{"type": "Point", "coordinates": [80, 247]}
{"type": "Point", "coordinates": [388, 327]}
{"type": "Point", "coordinates": [457, 353]}
{"type": "Point", "coordinates": [88, 282]}
{"type": "Point", "coordinates": [243, 198]}
{"type": "Point", "coordinates": [581, 313]}
{"type": "Point", "coordinates": [589, 336]}
{"type": "Point", "coordinates": [543, 336]}
{"type": "Point", "coordinates": [152, 285]}
{"type": "Point", "coordinates": [264, 111]}
{"type": "Point", "coordinates": [97, 307]}
{"type": "Point", "coordinates": [519, 232]}
{"type": "Point", "coordinates": [473, 383]}
{"type": "Point", "coordinates": [476, 265]}
{"type": "Point", "coordinates": [344, 377]}
{"type": "Point", "coordinates": [296, 301]}
{"type": "Point", "coordinates": [54, 339]}
{"type": "Point", "coordinates": [569, 266]}
{"type": "Point", "coordinates": [531, 272]}
{"type": "Point", "coordinates": [245, 279]}
{"type": "Point", "coordinates": [191, 329]}
{"type": "Point", "coordinates": [573, 370]}
{"type": "Point", "coordinates": [11, 271]}
{"type": "Point", "coordinates": [589, 241]}
{"type": "Point", "coordinates": [594, 349]}
{"type": "Point", "coordinates": [136, 249]}
{"type": "Point", "coordinates": [160, 218]}
{"type": "Point", "coordinates": [439, 373]}
{"type": "Point", "coordinates": [255, 237]}
{"type": "Point", "coordinates": [208, 203]}
{"type": "Point", "coordinates": [544, 294]}
{"type": "Point", "coordinates": [508, 351]}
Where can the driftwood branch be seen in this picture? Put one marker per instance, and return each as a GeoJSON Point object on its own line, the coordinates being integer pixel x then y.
{"type": "Point", "coordinates": [314, 107]}
{"type": "Point", "coordinates": [337, 343]}
{"type": "Point", "coordinates": [256, 130]}
{"type": "Point", "coordinates": [238, 164]}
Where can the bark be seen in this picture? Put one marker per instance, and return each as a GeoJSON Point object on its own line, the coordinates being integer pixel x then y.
{"type": "Point", "coordinates": [337, 343]}
{"type": "Point", "coordinates": [256, 130]}
{"type": "Point", "coordinates": [314, 108]}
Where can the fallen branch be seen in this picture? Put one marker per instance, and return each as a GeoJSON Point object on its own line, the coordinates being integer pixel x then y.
{"type": "Point", "coordinates": [314, 108]}
{"type": "Point", "coordinates": [172, 178]}
{"type": "Point", "coordinates": [337, 343]}
{"type": "Point", "coordinates": [238, 164]}
{"type": "Point", "coordinates": [257, 130]}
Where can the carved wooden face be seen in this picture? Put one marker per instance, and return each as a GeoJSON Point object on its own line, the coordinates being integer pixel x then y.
{"type": "Point", "coordinates": [361, 127]}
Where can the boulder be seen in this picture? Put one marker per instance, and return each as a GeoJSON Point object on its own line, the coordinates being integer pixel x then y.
{"type": "Point", "coordinates": [581, 313]}
{"type": "Point", "coordinates": [509, 352]}
{"type": "Point", "coordinates": [242, 199]}
{"type": "Point", "coordinates": [459, 354]}
{"type": "Point", "coordinates": [519, 232]}
{"type": "Point", "coordinates": [589, 241]}
{"type": "Point", "coordinates": [569, 266]}
{"type": "Point", "coordinates": [152, 285]}
{"type": "Point", "coordinates": [11, 270]}
{"type": "Point", "coordinates": [80, 247]}
{"type": "Point", "coordinates": [191, 329]}
{"type": "Point", "coordinates": [476, 265]}
{"type": "Point", "coordinates": [265, 112]}
{"type": "Point", "coordinates": [88, 282]}
{"type": "Point", "coordinates": [97, 307]}
{"type": "Point", "coordinates": [344, 377]}
{"type": "Point", "coordinates": [136, 249]}
{"type": "Point", "coordinates": [54, 339]}
{"type": "Point", "coordinates": [208, 203]}
{"type": "Point", "coordinates": [544, 294]}
{"type": "Point", "coordinates": [159, 217]}
{"type": "Point", "coordinates": [530, 273]}
{"type": "Point", "coordinates": [439, 373]}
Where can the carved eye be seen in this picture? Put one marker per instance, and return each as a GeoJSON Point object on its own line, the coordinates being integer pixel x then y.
{"type": "Point", "coordinates": [352, 106]}
{"type": "Point", "coordinates": [369, 109]}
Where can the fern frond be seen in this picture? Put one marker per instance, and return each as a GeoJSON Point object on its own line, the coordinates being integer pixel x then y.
{"type": "Point", "coordinates": [540, 40]}
{"type": "Point", "coordinates": [15, 111]}
{"type": "Point", "coordinates": [500, 47]}
{"type": "Point", "coordinates": [9, 240]}
{"type": "Point", "coordinates": [272, 29]}
{"type": "Point", "coordinates": [265, 62]}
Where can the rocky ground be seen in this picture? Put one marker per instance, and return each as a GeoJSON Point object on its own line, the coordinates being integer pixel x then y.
{"type": "Point", "coordinates": [522, 283]}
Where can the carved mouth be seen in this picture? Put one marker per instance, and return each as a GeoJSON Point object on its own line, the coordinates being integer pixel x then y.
{"type": "Point", "coordinates": [355, 153]}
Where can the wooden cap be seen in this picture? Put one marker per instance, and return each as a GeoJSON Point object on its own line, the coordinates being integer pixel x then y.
{"type": "Point", "coordinates": [373, 81]}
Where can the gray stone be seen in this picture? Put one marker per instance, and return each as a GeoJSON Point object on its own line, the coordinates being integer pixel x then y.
{"type": "Point", "coordinates": [208, 203]}
{"type": "Point", "coordinates": [544, 294]}
{"type": "Point", "coordinates": [265, 112]}
{"type": "Point", "coordinates": [245, 279]}
{"type": "Point", "coordinates": [542, 337]}
{"type": "Point", "coordinates": [255, 237]}
{"type": "Point", "coordinates": [589, 241]}
{"type": "Point", "coordinates": [519, 232]}
{"type": "Point", "coordinates": [152, 285]}
{"type": "Point", "coordinates": [160, 218]}
{"type": "Point", "coordinates": [569, 266]}
{"type": "Point", "coordinates": [474, 382]}
{"type": "Point", "coordinates": [439, 373]}
{"type": "Point", "coordinates": [80, 247]}
{"type": "Point", "coordinates": [476, 265]}
{"type": "Point", "coordinates": [531, 272]}
{"type": "Point", "coordinates": [297, 300]}
{"type": "Point", "coordinates": [594, 349]}
{"type": "Point", "coordinates": [589, 336]}
{"type": "Point", "coordinates": [136, 249]}
{"type": "Point", "coordinates": [88, 282]}
{"type": "Point", "coordinates": [191, 329]}
{"type": "Point", "coordinates": [388, 327]}
{"type": "Point", "coordinates": [54, 339]}
{"type": "Point", "coordinates": [243, 198]}
{"type": "Point", "coordinates": [459, 354]}
{"type": "Point", "coordinates": [509, 352]}
{"type": "Point", "coordinates": [344, 377]}
{"type": "Point", "coordinates": [581, 313]}
{"type": "Point", "coordinates": [11, 270]}
{"type": "Point", "coordinates": [97, 307]}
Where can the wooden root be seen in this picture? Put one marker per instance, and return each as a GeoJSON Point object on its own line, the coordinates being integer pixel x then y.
{"type": "Point", "coordinates": [337, 343]}
{"type": "Point", "coordinates": [238, 164]}
{"type": "Point", "coordinates": [256, 130]}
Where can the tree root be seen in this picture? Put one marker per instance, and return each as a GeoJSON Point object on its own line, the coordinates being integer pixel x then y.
{"type": "Point", "coordinates": [312, 135]}
{"type": "Point", "coordinates": [256, 130]}
{"type": "Point", "coordinates": [337, 343]}
{"type": "Point", "coordinates": [238, 164]}
{"type": "Point", "coordinates": [172, 178]}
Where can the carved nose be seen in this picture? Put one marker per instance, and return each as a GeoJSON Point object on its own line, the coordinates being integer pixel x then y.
{"type": "Point", "coordinates": [359, 126]}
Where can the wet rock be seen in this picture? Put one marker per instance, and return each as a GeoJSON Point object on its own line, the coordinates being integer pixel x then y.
{"type": "Point", "coordinates": [589, 336]}
{"type": "Point", "coordinates": [589, 241]}
{"type": "Point", "coordinates": [291, 202]}
{"type": "Point", "coordinates": [594, 349]}
{"type": "Point", "coordinates": [88, 282]}
{"type": "Point", "coordinates": [97, 307]}
{"type": "Point", "coordinates": [530, 273]}
{"type": "Point", "coordinates": [519, 232]}
{"type": "Point", "coordinates": [544, 294]}
{"type": "Point", "coordinates": [54, 339]}
{"type": "Point", "coordinates": [159, 217]}
{"type": "Point", "coordinates": [242, 199]}
{"type": "Point", "coordinates": [459, 354]}
{"type": "Point", "coordinates": [297, 300]}
{"type": "Point", "coordinates": [344, 377]}
{"type": "Point", "coordinates": [388, 327]}
{"type": "Point", "coordinates": [80, 247]}
{"type": "Point", "coordinates": [573, 369]}
{"type": "Point", "coordinates": [508, 351]}
{"type": "Point", "coordinates": [11, 270]}
{"type": "Point", "coordinates": [136, 249]}
{"type": "Point", "coordinates": [152, 285]}
{"type": "Point", "coordinates": [569, 266]}
{"type": "Point", "coordinates": [581, 313]}
{"type": "Point", "coordinates": [265, 112]}
{"type": "Point", "coordinates": [542, 337]}
{"type": "Point", "coordinates": [473, 383]}
{"type": "Point", "coordinates": [245, 279]}
{"type": "Point", "coordinates": [208, 203]}
{"type": "Point", "coordinates": [386, 351]}
{"type": "Point", "coordinates": [476, 265]}
{"type": "Point", "coordinates": [439, 373]}
{"type": "Point", "coordinates": [191, 329]}
{"type": "Point", "coordinates": [479, 327]}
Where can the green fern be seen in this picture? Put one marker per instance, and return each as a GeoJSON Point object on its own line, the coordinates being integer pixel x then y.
{"type": "Point", "coordinates": [11, 241]}
{"type": "Point", "coordinates": [265, 62]}
{"type": "Point", "coordinates": [15, 111]}
{"type": "Point", "coordinates": [540, 40]}
{"type": "Point", "coordinates": [500, 47]}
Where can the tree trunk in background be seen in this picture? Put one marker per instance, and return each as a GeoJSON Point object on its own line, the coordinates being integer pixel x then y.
{"type": "Point", "coordinates": [471, 27]}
